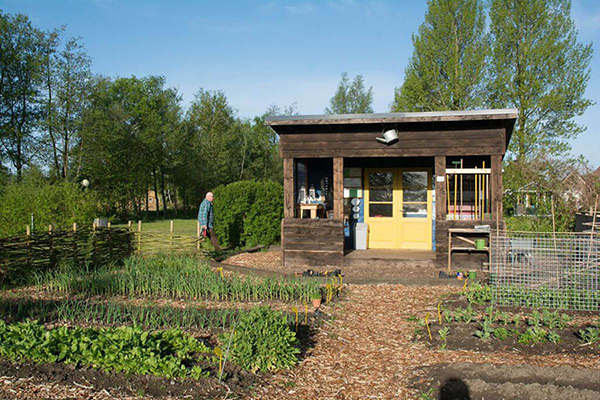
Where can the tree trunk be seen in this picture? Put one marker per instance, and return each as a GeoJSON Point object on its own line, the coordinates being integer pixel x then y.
{"type": "Point", "coordinates": [157, 202]}
{"type": "Point", "coordinates": [162, 191]}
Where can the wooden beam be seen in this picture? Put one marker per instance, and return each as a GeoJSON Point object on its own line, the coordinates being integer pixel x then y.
{"type": "Point", "coordinates": [338, 188]}
{"type": "Point", "coordinates": [288, 187]}
{"type": "Point", "coordinates": [440, 188]}
{"type": "Point", "coordinates": [496, 187]}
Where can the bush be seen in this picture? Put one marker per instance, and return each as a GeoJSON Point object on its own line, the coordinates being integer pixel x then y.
{"type": "Point", "coordinates": [262, 341]}
{"type": "Point", "coordinates": [60, 204]}
{"type": "Point", "coordinates": [248, 213]}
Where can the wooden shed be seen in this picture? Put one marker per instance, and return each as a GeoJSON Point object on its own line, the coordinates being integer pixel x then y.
{"type": "Point", "coordinates": [342, 178]}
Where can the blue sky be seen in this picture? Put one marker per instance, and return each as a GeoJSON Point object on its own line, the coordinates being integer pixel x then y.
{"type": "Point", "coordinates": [263, 53]}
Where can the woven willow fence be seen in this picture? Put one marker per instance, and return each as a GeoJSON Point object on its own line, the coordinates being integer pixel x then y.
{"type": "Point", "coordinates": [554, 270]}
{"type": "Point", "coordinates": [23, 256]}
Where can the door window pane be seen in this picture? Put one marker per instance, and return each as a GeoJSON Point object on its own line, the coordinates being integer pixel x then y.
{"type": "Point", "coordinates": [412, 195]}
{"type": "Point", "coordinates": [379, 179]}
{"type": "Point", "coordinates": [415, 210]}
{"type": "Point", "coordinates": [381, 210]}
{"type": "Point", "coordinates": [381, 194]}
{"type": "Point", "coordinates": [414, 180]}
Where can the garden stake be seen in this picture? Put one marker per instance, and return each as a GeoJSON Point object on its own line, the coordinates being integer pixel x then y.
{"type": "Point", "coordinates": [295, 310]}
{"type": "Point", "coordinates": [219, 354]}
{"type": "Point", "coordinates": [305, 313]}
{"type": "Point", "coordinates": [427, 325]}
{"type": "Point", "coordinates": [220, 269]}
{"type": "Point", "coordinates": [465, 284]}
{"type": "Point", "coordinates": [439, 312]}
{"type": "Point", "coordinates": [227, 350]}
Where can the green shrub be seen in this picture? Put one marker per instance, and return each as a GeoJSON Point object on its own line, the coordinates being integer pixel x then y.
{"type": "Point", "coordinates": [60, 204]}
{"type": "Point", "coordinates": [248, 213]}
{"type": "Point", "coordinates": [263, 341]}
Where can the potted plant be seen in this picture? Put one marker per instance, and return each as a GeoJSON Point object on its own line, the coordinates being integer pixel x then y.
{"type": "Point", "coordinates": [316, 297]}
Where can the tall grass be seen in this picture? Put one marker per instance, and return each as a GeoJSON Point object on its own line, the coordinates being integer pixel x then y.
{"type": "Point", "coordinates": [176, 277]}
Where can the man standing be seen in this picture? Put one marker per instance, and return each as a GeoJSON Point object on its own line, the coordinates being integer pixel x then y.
{"type": "Point", "coordinates": [206, 216]}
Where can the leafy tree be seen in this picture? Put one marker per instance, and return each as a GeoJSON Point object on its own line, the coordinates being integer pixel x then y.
{"type": "Point", "coordinates": [73, 78]}
{"type": "Point", "coordinates": [539, 67]}
{"type": "Point", "coordinates": [447, 68]}
{"type": "Point", "coordinates": [351, 97]}
{"type": "Point", "coordinates": [125, 136]}
{"type": "Point", "coordinates": [21, 61]}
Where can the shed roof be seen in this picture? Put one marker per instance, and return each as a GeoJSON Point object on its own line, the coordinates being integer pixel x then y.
{"type": "Point", "coordinates": [402, 117]}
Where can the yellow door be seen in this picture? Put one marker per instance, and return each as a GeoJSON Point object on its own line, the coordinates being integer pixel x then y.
{"type": "Point", "coordinates": [416, 208]}
{"type": "Point", "coordinates": [398, 208]}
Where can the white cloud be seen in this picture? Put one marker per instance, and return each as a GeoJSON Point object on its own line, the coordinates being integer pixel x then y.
{"type": "Point", "coordinates": [302, 8]}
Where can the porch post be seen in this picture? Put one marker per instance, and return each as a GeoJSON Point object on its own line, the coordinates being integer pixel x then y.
{"type": "Point", "coordinates": [440, 188]}
{"type": "Point", "coordinates": [338, 188]}
{"type": "Point", "coordinates": [288, 187]}
{"type": "Point", "coordinates": [496, 186]}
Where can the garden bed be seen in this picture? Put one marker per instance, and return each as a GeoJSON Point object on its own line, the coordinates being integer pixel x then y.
{"type": "Point", "coordinates": [118, 311]}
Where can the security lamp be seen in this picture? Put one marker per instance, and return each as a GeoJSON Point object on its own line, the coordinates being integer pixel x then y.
{"type": "Point", "coordinates": [85, 183]}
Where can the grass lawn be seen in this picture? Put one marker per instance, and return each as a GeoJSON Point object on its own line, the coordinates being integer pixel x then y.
{"type": "Point", "coordinates": [185, 227]}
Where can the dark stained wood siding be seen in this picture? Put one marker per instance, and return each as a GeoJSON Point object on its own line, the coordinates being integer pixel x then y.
{"type": "Point", "coordinates": [476, 141]}
{"type": "Point", "coordinates": [313, 241]}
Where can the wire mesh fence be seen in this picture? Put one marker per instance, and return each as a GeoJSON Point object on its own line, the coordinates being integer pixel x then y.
{"type": "Point", "coordinates": [554, 270]}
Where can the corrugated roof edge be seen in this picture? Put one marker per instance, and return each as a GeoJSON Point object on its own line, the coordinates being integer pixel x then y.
{"type": "Point", "coordinates": [509, 113]}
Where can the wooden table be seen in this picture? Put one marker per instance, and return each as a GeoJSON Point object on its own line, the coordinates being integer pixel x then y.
{"type": "Point", "coordinates": [457, 231]}
{"type": "Point", "coordinates": [314, 208]}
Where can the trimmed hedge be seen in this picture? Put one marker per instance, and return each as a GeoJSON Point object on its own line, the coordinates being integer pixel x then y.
{"type": "Point", "coordinates": [248, 213]}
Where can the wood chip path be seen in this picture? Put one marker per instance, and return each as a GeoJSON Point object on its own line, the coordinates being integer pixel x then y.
{"type": "Point", "coordinates": [367, 352]}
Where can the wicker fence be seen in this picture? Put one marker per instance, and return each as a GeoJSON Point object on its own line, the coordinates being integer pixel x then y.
{"type": "Point", "coordinates": [23, 256]}
{"type": "Point", "coordinates": [555, 270]}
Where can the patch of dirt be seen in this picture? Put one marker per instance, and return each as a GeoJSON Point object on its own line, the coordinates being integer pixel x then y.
{"type": "Point", "coordinates": [514, 382]}
{"type": "Point", "coordinates": [271, 261]}
{"type": "Point", "coordinates": [462, 337]}
{"type": "Point", "coordinates": [60, 381]}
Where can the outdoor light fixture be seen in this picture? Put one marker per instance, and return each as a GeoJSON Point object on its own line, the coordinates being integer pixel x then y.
{"type": "Point", "coordinates": [85, 183]}
{"type": "Point", "coordinates": [389, 137]}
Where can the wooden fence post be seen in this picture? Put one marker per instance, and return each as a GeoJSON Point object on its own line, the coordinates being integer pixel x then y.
{"type": "Point", "coordinates": [198, 235]}
{"type": "Point", "coordinates": [129, 224]}
{"type": "Point", "coordinates": [28, 230]}
{"type": "Point", "coordinates": [140, 235]}
{"type": "Point", "coordinates": [75, 227]}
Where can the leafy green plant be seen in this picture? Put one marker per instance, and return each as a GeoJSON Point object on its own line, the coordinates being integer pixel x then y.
{"type": "Point", "coordinates": [533, 335]}
{"type": "Point", "coordinates": [169, 353]}
{"type": "Point", "coordinates": [448, 316]}
{"type": "Point", "coordinates": [262, 341]}
{"type": "Point", "coordinates": [553, 337]}
{"type": "Point", "coordinates": [589, 335]}
{"type": "Point", "coordinates": [534, 319]}
{"type": "Point", "coordinates": [479, 294]}
{"type": "Point", "coordinates": [485, 331]}
{"type": "Point", "coordinates": [555, 320]}
{"type": "Point", "coordinates": [501, 333]}
{"type": "Point", "coordinates": [516, 319]}
{"type": "Point", "coordinates": [444, 337]}
{"type": "Point", "coordinates": [504, 318]}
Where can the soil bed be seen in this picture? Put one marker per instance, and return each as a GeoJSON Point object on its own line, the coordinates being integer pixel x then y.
{"type": "Point", "coordinates": [93, 382]}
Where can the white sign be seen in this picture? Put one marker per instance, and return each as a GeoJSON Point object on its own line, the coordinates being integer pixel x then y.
{"type": "Point", "coordinates": [440, 178]}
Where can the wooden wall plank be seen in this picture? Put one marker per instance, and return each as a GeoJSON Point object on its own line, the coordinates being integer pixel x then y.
{"type": "Point", "coordinates": [288, 188]}
{"type": "Point", "coordinates": [352, 144]}
{"type": "Point", "coordinates": [411, 135]}
{"type": "Point", "coordinates": [395, 152]}
{"type": "Point", "coordinates": [440, 188]}
{"type": "Point", "coordinates": [496, 187]}
{"type": "Point", "coordinates": [338, 188]}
